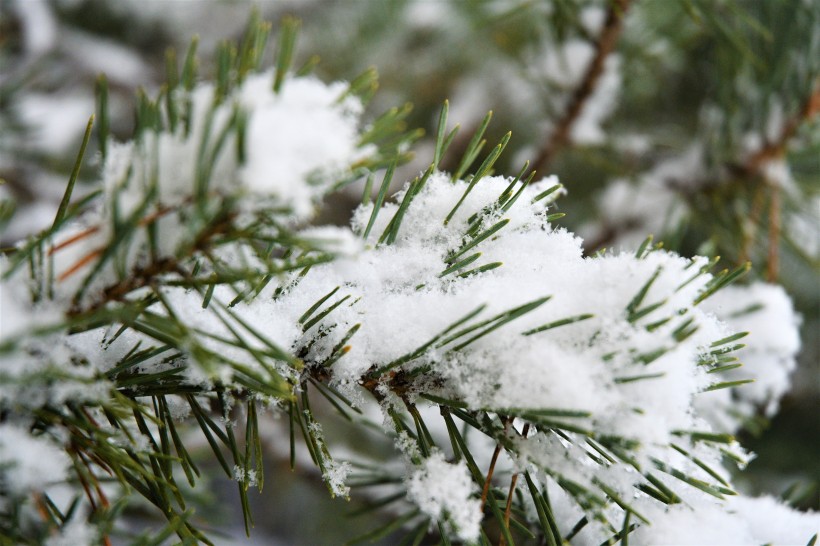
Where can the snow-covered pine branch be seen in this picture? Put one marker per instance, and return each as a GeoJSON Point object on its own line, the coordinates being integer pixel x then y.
{"type": "Point", "coordinates": [188, 292]}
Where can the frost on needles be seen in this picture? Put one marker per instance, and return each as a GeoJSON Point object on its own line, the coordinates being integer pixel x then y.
{"type": "Point", "coordinates": [189, 292]}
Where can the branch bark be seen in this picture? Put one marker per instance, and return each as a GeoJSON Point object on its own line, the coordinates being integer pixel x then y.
{"type": "Point", "coordinates": [605, 45]}
{"type": "Point", "coordinates": [774, 150]}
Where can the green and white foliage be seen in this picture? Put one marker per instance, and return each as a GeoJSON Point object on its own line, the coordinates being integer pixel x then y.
{"type": "Point", "coordinates": [532, 393]}
{"type": "Point", "coordinates": [209, 192]}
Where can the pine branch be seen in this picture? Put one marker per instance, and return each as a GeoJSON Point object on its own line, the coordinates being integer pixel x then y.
{"type": "Point", "coordinates": [755, 165]}
{"type": "Point", "coordinates": [604, 46]}
{"type": "Point", "coordinates": [775, 149]}
{"type": "Point", "coordinates": [244, 306]}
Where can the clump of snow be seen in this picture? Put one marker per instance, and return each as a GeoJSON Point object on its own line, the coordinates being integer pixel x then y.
{"type": "Point", "coordinates": [339, 241]}
{"type": "Point", "coordinates": [29, 463]}
{"type": "Point", "coordinates": [39, 26]}
{"type": "Point", "coordinates": [739, 520]}
{"type": "Point", "coordinates": [802, 225]}
{"type": "Point", "coordinates": [297, 141]}
{"type": "Point", "coordinates": [57, 123]}
{"type": "Point", "coordinates": [335, 475]}
{"type": "Point", "coordinates": [778, 173]}
{"type": "Point", "coordinates": [296, 144]}
{"type": "Point", "coordinates": [621, 372]}
{"type": "Point", "coordinates": [445, 492]}
{"type": "Point", "coordinates": [34, 350]}
{"type": "Point", "coordinates": [96, 54]}
{"type": "Point", "coordinates": [767, 313]}
{"type": "Point", "coordinates": [398, 294]}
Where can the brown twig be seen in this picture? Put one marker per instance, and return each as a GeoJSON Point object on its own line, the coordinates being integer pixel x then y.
{"type": "Point", "coordinates": [605, 45]}
{"type": "Point", "coordinates": [513, 483]}
{"type": "Point", "coordinates": [750, 230]}
{"type": "Point", "coordinates": [773, 261]}
{"type": "Point", "coordinates": [73, 239]}
{"type": "Point", "coordinates": [775, 149]}
{"type": "Point", "coordinates": [490, 471]}
{"type": "Point", "coordinates": [486, 490]}
{"type": "Point", "coordinates": [151, 218]}
{"type": "Point", "coordinates": [79, 264]}
{"type": "Point", "coordinates": [755, 166]}
{"type": "Point", "coordinates": [42, 509]}
{"type": "Point", "coordinates": [508, 508]}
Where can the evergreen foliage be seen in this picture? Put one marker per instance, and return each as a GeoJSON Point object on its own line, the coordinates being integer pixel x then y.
{"type": "Point", "coordinates": [511, 386]}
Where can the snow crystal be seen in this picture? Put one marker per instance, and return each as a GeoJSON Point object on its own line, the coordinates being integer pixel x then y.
{"type": "Point", "coordinates": [335, 475]}
{"type": "Point", "coordinates": [240, 475]}
{"type": "Point", "coordinates": [408, 445]}
{"type": "Point", "coordinates": [444, 491]}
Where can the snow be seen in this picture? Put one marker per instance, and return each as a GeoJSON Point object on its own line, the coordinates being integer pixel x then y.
{"type": "Point", "coordinates": [57, 123]}
{"type": "Point", "coordinates": [401, 304]}
{"type": "Point", "coordinates": [741, 520]}
{"type": "Point", "coordinates": [650, 203]}
{"type": "Point", "coordinates": [297, 140]}
{"type": "Point", "coordinates": [339, 241]}
{"type": "Point", "coordinates": [303, 134]}
{"type": "Point", "coordinates": [98, 55]}
{"type": "Point", "coordinates": [28, 462]}
{"type": "Point", "coordinates": [426, 14]}
{"type": "Point", "coordinates": [779, 174]}
{"type": "Point", "coordinates": [767, 313]}
{"type": "Point", "coordinates": [298, 143]}
{"type": "Point", "coordinates": [74, 533]}
{"type": "Point", "coordinates": [802, 225]}
{"type": "Point", "coordinates": [444, 491]}
{"type": "Point", "coordinates": [398, 296]}
{"type": "Point", "coordinates": [335, 475]}
{"type": "Point", "coordinates": [39, 25]}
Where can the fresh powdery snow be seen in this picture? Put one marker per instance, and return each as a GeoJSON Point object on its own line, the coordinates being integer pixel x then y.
{"type": "Point", "coordinates": [445, 492]}
{"type": "Point", "coordinates": [457, 290]}
{"type": "Point", "coordinates": [769, 356]}
{"type": "Point", "coordinates": [295, 145]}
{"type": "Point", "coordinates": [29, 462]}
{"type": "Point", "coordinates": [627, 372]}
